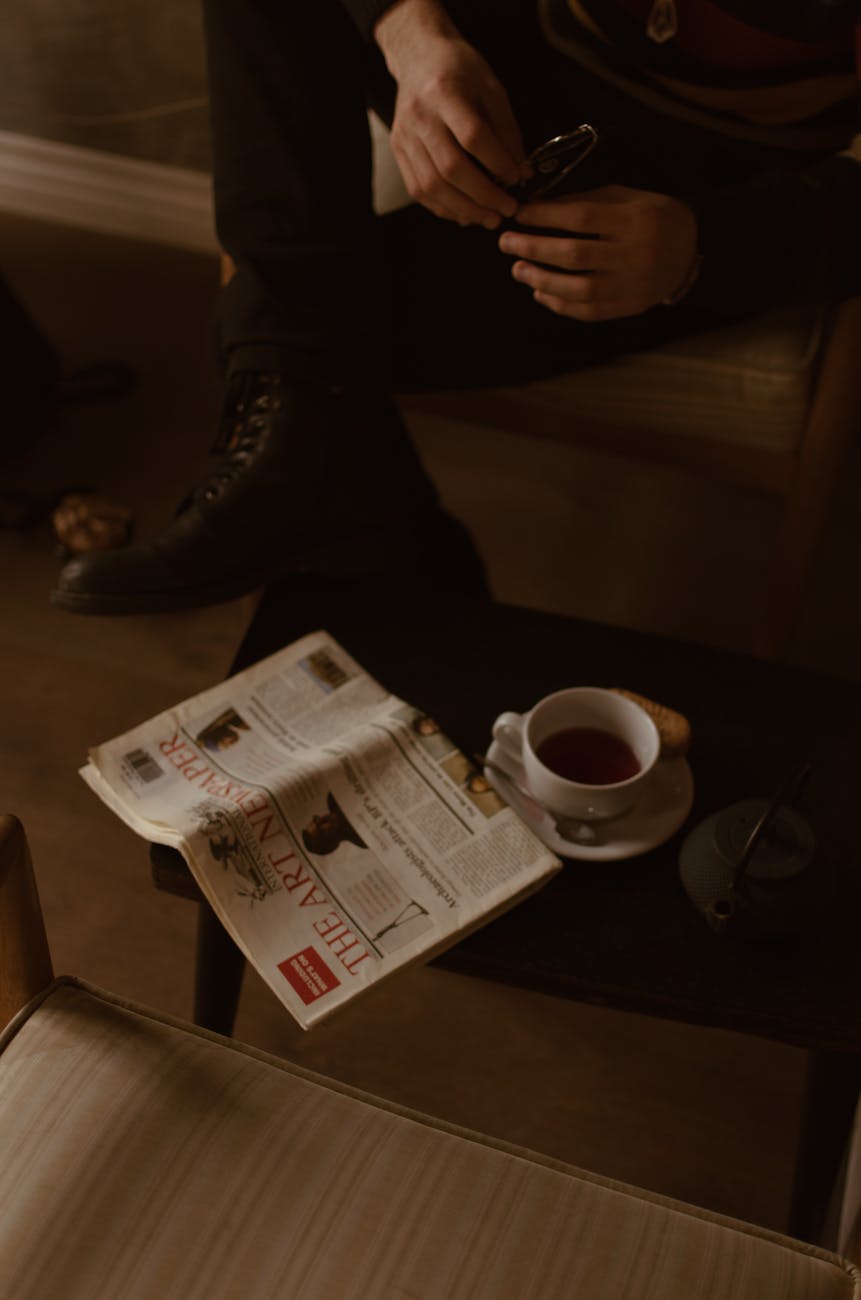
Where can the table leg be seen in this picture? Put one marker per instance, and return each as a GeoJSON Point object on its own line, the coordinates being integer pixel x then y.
{"type": "Point", "coordinates": [219, 967]}
{"type": "Point", "coordinates": [831, 1096]}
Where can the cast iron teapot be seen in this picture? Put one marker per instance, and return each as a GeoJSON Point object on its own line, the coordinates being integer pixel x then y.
{"type": "Point", "coordinates": [749, 868]}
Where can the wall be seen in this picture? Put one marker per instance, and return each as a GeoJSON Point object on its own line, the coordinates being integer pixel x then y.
{"type": "Point", "coordinates": [123, 76]}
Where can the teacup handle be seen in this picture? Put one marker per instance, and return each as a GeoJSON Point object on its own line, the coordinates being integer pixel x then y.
{"type": "Point", "coordinates": [508, 734]}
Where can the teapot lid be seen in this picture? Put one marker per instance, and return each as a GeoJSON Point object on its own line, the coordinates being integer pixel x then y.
{"type": "Point", "coordinates": [784, 847]}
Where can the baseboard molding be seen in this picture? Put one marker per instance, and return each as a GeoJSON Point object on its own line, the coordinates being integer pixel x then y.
{"type": "Point", "coordinates": [106, 192]}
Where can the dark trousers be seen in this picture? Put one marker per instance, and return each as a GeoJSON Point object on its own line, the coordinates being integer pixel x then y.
{"type": "Point", "coordinates": [325, 290]}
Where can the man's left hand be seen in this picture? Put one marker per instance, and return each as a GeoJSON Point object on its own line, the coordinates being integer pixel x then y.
{"type": "Point", "coordinates": [628, 250]}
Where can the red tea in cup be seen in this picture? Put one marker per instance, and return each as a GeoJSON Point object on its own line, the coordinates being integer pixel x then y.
{"type": "Point", "coordinates": [588, 756]}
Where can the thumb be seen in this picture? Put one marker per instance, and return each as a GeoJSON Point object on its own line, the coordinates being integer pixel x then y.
{"type": "Point", "coordinates": [500, 117]}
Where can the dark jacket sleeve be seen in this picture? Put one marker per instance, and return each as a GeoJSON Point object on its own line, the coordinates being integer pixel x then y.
{"type": "Point", "coordinates": [793, 233]}
{"type": "Point", "coordinates": [785, 234]}
{"type": "Point", "coordinates": [788, 233]}
{"type": "Point", "coordinates": [365, 13]}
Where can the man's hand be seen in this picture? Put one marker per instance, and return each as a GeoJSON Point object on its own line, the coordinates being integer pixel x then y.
{"type": "Point", "coordinates": [450, 110]}
{"type": "Point", "coordinates": [628, 251]}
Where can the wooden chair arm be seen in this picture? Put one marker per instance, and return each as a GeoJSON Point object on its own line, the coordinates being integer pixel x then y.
{"type": "Point", "coordinates": [25, 960]}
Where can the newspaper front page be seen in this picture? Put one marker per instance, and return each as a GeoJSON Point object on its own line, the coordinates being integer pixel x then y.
{"type": "Point", "coordinates": [336, 831]}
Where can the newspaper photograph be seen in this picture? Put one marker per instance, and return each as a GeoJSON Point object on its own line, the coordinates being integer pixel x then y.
{"type": "Point", "coordinates": [335, 830]}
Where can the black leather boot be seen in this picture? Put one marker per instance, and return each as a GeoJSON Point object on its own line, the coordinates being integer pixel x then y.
{"type": "Point", "coordinates": [308, 481]}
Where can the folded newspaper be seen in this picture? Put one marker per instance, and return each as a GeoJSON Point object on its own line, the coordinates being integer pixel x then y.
{"type": "Point", "coordinates": [336, 831]}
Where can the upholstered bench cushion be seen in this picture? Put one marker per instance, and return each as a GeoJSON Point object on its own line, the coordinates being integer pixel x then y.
{"type": "Point", "coordinates": [749, 384]}
{"type": "Point", "coordinates": [143, 1160]}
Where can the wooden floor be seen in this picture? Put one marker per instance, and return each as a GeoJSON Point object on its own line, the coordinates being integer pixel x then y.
{"type": "Point", "coordinates": [703, 1115]}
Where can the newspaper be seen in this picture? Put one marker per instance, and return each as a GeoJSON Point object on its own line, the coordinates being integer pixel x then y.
{"type": "Point", "coordinates": [335, 829]}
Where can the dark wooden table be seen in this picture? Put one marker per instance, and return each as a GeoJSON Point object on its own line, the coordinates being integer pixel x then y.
{"type": "Point", "coordinates": [623, 934]}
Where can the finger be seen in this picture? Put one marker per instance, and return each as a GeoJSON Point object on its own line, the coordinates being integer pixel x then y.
{"type": "Point", "coordinates": [459, 171]}
{"type": "Point", "coordinates": [495, 140]}
{"type": "Point", "coordinates": [573, 288]}
{"type": "Point", "coordinates": [408, 175]}
{"type": "Point", "coordinates": [583, 217]}
{"type": "Point", "coordinates": [434, 192]}
{"type": "Point", "coordinates": [570, 254]}
{"type": "Point", "coordinates": [501, 117]}
{"type": "Point", "coordinates": [413, 185]}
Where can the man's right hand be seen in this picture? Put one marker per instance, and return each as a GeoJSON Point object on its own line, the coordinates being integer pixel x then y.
{"type": "Point", "coordinates": [450, 111]}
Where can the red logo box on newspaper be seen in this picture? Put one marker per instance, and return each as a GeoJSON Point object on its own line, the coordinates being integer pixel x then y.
{"type": "Point", "coordinates": [308, 974]}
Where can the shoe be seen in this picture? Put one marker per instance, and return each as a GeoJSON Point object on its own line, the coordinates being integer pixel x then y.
{"type": "Point", "coordinates": [308, 481]}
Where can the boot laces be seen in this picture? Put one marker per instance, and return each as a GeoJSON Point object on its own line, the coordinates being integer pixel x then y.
{"type": "Point", "coordinates": [249, 402]}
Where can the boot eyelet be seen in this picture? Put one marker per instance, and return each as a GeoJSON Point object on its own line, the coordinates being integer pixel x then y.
{"type": "Point", "coordinates": [210, 494]}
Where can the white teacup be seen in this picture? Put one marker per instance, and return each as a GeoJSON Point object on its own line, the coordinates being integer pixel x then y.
{"type": "Point", "coordinates": [630, 744]}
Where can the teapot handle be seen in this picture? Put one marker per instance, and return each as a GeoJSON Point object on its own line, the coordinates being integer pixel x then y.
{"type": "Point", "coordinates": [790, 790]}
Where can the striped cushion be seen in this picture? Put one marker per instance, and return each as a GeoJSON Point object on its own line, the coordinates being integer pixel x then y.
{"type": "Point", "coordinates": [749, 385]}
{"type": "Point", "coordinates": [143, 1159]}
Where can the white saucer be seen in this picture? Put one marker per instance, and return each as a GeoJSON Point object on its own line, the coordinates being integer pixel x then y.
{"type": "Point", "coordinates": [663, 807]}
